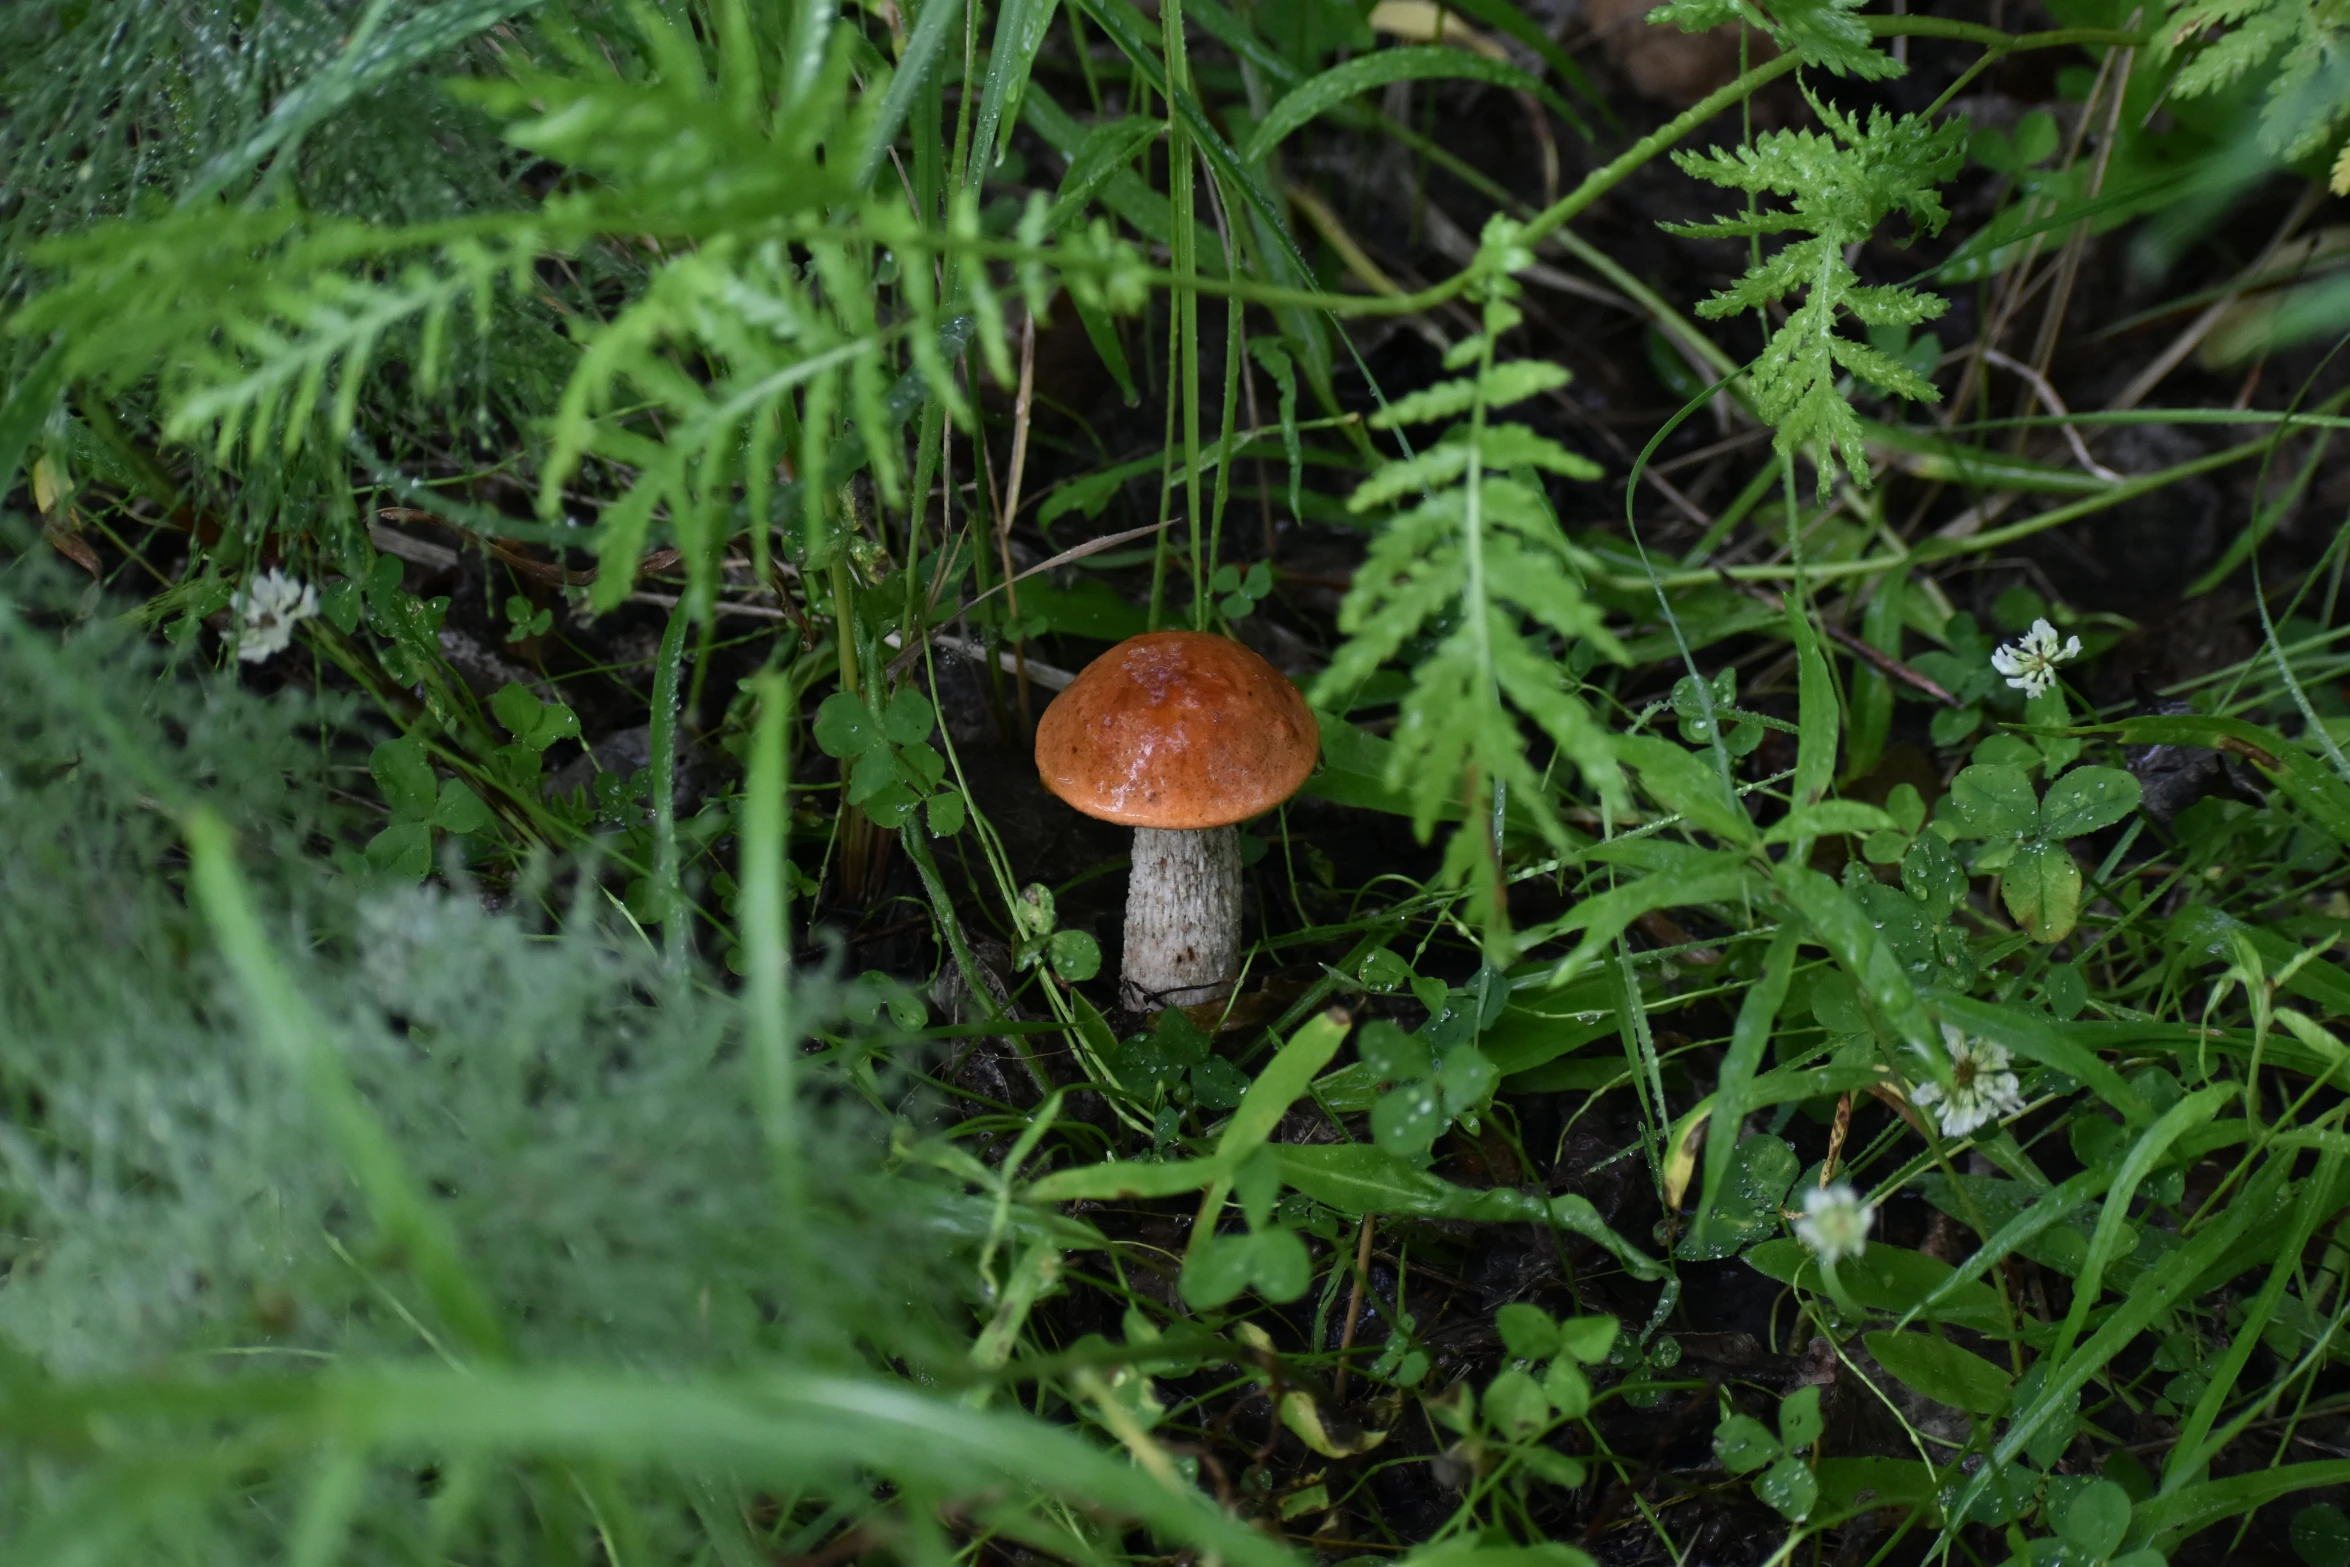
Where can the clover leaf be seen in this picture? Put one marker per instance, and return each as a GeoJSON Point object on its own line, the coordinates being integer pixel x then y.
{"type": "Point", "coordinates": [2022, 837]}
{"type": "Point", "coordinates": [888, 765]}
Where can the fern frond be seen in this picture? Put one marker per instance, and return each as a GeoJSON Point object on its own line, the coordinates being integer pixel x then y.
{"type": "Point", "coordinates": [1498, 387]}
{"type": "Point", "coordinates": [1479, 565]}
{"type": "Point", "coordinates": [1839, 186]}
{"type": "Point", "coordinates": [1826, 33]}
{"type": "Point", "coordinates": [2224, 42]}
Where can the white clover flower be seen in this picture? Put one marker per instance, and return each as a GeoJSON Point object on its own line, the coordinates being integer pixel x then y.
{"type": "Point", "coordinates": [1835, 1222]}
{"type": "Point", "coordinates": [2030, 663]}
{"type": "Point", "coordinates": [1982, 1089]}
{"type": "Point", "coordinates": [269, 608]}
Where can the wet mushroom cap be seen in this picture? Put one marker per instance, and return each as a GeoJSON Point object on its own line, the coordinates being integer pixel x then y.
{"type": "Point", "coordinates": [1179, 730]}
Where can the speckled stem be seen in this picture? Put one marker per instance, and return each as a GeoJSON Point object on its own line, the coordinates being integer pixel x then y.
{"type": "Point", "coordinates": [1182, 918]}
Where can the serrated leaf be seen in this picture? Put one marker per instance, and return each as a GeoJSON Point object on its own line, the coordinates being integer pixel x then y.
{"type": "Point", "coordinates": [1515, 446]}
{"type": "Point", "coordinates": [1506, 383]}
{"type": "Point", "coordinates": [1842, 185]}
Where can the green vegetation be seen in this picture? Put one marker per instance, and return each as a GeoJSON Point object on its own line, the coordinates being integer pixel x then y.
{"type": "Point", "coordinates": [545, 1018]}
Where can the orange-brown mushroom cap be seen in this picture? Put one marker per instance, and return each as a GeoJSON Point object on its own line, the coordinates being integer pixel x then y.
{"type": "Point", "coordinates": [1177, 729]}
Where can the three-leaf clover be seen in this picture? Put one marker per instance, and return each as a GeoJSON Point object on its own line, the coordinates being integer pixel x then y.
{"type": "Point", "coordinates": [410, 626]}
{"type": "Point", "coordinates": [1529, 1333]}
{"type": "Point", "coordinates": [1175, 1061]}
{"type": "Point", "coordinates": [1430, 1090]}
{"type": "Point", "coordinates": [1270, 1258]}
{"type": "Point", "coordinates": [535, 725]}
{"type": "Point", "coordinates": [420, 803]}
{"type": "Point", "coordinates": [1744, 1444]}
{"type": "Point", "coordinates": [1238, 591]}
{"type": "Point", "coordinates": [526, 619]}
{"type": "Point", "coordinates": [2023, 838]}
{"type": "Point", "coordinates": [889, 767]}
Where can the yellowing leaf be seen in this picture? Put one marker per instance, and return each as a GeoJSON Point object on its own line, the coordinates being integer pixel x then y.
{"type": "Point", "coordinates": [1332, 1439]}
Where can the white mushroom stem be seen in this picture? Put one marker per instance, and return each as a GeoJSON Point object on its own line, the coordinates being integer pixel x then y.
{"type": "Point", "coordinates": [1182, 918]}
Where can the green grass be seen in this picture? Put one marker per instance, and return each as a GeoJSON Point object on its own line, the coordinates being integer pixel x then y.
{"type": "Point", "coordinates": [732, 1155]}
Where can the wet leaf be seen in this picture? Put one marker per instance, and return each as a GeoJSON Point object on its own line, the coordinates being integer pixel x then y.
{"type": "Point", "coordinates": [1075, 957]}
{"type": "Point", "coordinates": [1942, 1371]}
{"type": "Point", "coordinates": [1800, 1422]}
{"type": "Point", "coordinates": [1744, 1443]}
{"type": "Point", "coordinates": [845, 726]}
{"type": "Point", "coordinates": [2097, 1519]}
{"type": "Point", "coordinates": [2042, 889]}
{"type": "Point", "coordinates": [2086, 799]}
{"type": "Point", "coordinates": [908, 718]}
{"type": "Point", "coordinates": [1993, 803]}
{"type": "Point", "coordinates": [1790, 1487]}
{"type": "Point", "coordinates": [404, 775]}
{"type": "Point", "coordinates": [1761, 1169]}
{"type": "Point", "coordinates": [1216, 1084]}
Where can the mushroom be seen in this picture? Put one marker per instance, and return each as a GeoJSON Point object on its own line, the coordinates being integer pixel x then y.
{"type": "Point", "coordinates": [1179, 735]}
